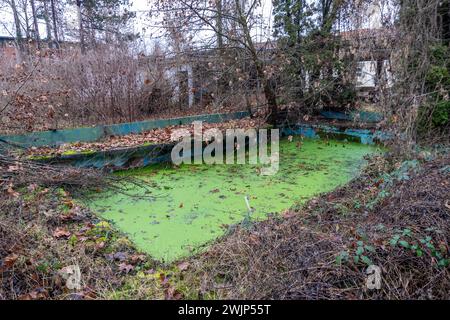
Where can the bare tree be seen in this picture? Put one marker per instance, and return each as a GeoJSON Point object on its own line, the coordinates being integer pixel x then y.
{"type": "Point", "coordinates": [233, 24]}
{"type": "Point", "coordinates": [17, 24]}
{"type": "Point", "coordinates": [35, 24]}
{"type": "Point", "coordinates": [46, 17]}
{"type": "Point", "coordinates": [81, 27]}
{"type": "Point", "coordinates": [55, 22]}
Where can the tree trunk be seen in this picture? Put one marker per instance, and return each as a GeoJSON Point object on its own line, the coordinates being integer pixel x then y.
{"type": "Point", "coordinates": [81, 27]}
{"type": "Point", "coordinates": [55, 22]}
{"type": "Point", "coordinates": [219, 24]}
{"type": "Point", "coordinates": [19, 37]}
{"type": "Point", "coordinates": [35, 24]}
{"type": "Point", "coordinates": [48, 26]}
{"type": "Point", "coordinates": [269, 91]}
{"type": "Point", "coordinates": [27, 21]}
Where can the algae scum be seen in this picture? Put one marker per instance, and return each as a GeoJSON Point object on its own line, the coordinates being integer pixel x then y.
{"type": "Point", "coordinates": [186, 207]}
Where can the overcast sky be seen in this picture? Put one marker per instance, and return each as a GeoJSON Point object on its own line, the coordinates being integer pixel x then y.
{"type": "Point", "coordinates": [149, 31]}
{"type": "Point", "coordinates": [143, 25]}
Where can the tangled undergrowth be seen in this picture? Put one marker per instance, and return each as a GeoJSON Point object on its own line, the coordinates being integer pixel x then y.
{"type": "Point", "coordinates": [44, 234]}
{"type": "Point", "coordinates": [397, 221]}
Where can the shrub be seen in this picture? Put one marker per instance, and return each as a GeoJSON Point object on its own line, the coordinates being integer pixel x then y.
{"type": "Point", "coordinates": [434, 113]}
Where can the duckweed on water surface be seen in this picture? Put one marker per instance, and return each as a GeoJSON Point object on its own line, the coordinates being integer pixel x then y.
{"type": "Point", "coordinates": [192, 205]}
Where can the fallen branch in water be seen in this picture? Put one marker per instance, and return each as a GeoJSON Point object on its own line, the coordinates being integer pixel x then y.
{"type": "Point", "coordinates": [22, 173]}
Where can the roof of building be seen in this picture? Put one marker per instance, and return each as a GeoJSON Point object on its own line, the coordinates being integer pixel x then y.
{"type": "Point", "coordinates": [7, 38]}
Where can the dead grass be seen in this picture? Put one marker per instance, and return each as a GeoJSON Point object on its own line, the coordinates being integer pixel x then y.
{"type": "Point", "coordinates": [400, 220]}
{"type": "Point", "coordinates": [43, 231]}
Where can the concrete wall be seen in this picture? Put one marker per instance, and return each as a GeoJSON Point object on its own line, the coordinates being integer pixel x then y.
{"type": "Point", "coordinates": [367, 72]}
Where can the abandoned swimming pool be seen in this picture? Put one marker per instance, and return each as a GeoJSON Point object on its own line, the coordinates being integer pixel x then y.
{"type": "Point", "coordinates": [179, 210]}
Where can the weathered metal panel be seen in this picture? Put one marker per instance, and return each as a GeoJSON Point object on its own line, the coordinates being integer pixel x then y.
{"type": "Point", "coordinates": [363, 136]}
{"type": "Point", "coordinates": [360, 116]}
{"type": "Point", "coordinates": [91, 134]}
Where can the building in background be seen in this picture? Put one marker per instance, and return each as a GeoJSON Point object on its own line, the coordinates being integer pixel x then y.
{"type": "Point", "coordinates": [8, 49]}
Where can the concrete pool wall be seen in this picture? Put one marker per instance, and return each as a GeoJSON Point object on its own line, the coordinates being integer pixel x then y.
{"type": "Point", "coordinates": [92, 134]}
{"type": "Point", "coordinates": [144, 155]}
{"type": "Point", "coordinates": [190, 206]}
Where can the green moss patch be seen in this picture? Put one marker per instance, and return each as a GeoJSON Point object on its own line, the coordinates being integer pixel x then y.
{"type": "Point", "coordinates": [193, 205]}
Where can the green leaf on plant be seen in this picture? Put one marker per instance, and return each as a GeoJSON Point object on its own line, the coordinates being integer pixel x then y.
{"type": "Point", "coordinates": [359, 251]}
{"type": "Point", "coordinates": [444, 263]}
{"type": "Point", "coordinates": [394, 240]}
{"type": "Point", "coordinates": [404, 244]}
{"type": "Point", "coordinates": [366, 260]}
{"type": "Point", "coordinates": [342, 256]}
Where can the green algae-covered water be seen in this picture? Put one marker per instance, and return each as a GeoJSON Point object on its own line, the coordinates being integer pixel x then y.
{"type": "Point", "coordinates": [192, 205]}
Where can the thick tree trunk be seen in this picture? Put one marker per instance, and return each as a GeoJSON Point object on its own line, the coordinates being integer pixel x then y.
{"type": "Point", "coordinates": [269, 93]}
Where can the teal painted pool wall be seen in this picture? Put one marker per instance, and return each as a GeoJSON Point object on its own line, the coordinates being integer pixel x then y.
{"type": "Point", "coordinates": [92, 134]}
{"type": "Point", "coordinates": [116, 159]}
{"type": "Point", "coordinates": [360, 116]}
{"type": "Point", "coordinates": [364, 136]}
{"type": "Point", "coordinates": [161, 153]}
{"type": "Point", "coordinates": [142, 156]}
